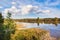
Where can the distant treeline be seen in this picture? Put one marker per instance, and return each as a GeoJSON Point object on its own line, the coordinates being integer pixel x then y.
{"type": "Point", "coordinates": [40, 20]}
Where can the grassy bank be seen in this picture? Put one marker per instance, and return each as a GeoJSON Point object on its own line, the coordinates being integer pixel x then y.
{"type": "Point", "coordinates": [31, 34]}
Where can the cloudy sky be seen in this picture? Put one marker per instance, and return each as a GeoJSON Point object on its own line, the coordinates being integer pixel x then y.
{"type": "Point", "coordinates": [31, 8]}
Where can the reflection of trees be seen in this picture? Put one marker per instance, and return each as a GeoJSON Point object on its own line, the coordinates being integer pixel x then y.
{"type": "Point", "coordinates": [56, 24]}
{"type": "Point", "coordinates": [38, 21]}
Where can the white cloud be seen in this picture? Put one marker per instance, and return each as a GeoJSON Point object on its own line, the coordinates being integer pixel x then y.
{"type": "Point", "coordinates": [26, 9]}
{"type": "Point", "coordinates": [6, 10]}
{"type": "Point", "coordinates": [46, 11]}
{"type": "Point", "coordinates": [13, 3]}
{"type": "Point", "coordinates": [4, 13]}
{"type": "Point", "coordinates": [40, 11]}
{"type": "Point", "coordinates": [23, 10]}
{"type": "Point", "coordinates": [13, 10]}
{"type": "Point", "coordinates": [26, 6]}
{"type": "Point", "coordinates": [1, 7]}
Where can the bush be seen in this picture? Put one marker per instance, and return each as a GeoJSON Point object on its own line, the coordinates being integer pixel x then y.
{"type": "Point", "coordinates": [9, 27]}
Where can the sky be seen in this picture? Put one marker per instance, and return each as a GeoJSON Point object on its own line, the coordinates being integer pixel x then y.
{"type": "Point", "coordinates": [30, 8]}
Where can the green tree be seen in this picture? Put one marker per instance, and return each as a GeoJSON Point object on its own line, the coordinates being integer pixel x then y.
{"type": "Point", "coordinates": [1, 26]}
{"type": "Point", "coordinates": [9, 27]}
{"type": "Point", "coordinates": [56, 21]}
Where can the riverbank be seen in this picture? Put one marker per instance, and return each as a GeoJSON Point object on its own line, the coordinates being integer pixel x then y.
{"type": "Point", "coordinates": [31, 34]}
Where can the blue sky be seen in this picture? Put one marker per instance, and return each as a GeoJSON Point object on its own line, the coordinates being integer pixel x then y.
{"type": "Point", "coordinates": [31, 8]}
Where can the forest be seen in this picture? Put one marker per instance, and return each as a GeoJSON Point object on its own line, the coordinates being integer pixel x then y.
{"type": "Point", "coordinates": [40, 20]}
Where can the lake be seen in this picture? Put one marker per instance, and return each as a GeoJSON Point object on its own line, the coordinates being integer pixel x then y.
{"type": "Point", "coordinates": [54, 29]}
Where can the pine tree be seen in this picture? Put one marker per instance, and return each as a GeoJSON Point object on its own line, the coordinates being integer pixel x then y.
{"type": "Point", "coordinates": [1, 26]}
{"type": "Point", "coordinates": [1, 20]}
